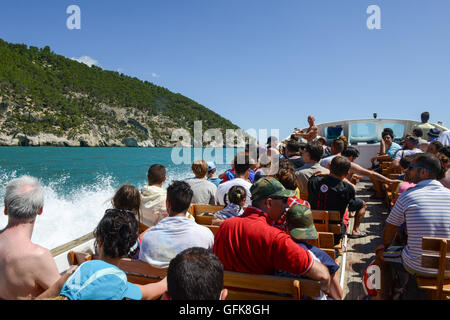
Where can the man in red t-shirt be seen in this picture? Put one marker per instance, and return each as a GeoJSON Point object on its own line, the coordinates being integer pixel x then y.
{"type": "Point", "coordinates": [249, 243]}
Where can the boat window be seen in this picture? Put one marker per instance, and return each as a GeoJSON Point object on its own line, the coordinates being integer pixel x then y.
{"type": "Point", "coordinates": [398, 128]}
{"type": "Point", "coordinates": [363, 132]}
{"type": "Point", "coordinates": [334, 132]}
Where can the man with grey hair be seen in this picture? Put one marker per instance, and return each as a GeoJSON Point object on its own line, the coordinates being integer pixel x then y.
{"type": "Point", "coordinates": [26, 269]}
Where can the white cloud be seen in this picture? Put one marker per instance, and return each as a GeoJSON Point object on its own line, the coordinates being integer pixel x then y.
{"type": "Point", "coordinates": [120, 70]}
{"type": "Point", "coordinates": [154, 75]}
{"type": "Point", "coordinates": [87, 60]}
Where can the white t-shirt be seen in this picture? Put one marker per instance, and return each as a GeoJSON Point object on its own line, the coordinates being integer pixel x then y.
{"type": "Point", "coordinates": [325, 162]}
{"type": "Point", "coordinates": [404, 153]}
{"type": "Point", "coordinates": [426, 210]}
{"type": "Point", "coordinates": [223, 188]}
{"type": "Point", "coordinates": [169, 237]}
{"type": "Point", "coordinates": [445, 138]}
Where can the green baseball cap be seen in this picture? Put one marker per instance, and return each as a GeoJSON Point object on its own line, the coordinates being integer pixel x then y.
{"type": "Point", "coordinates": [300, 222]}
{"type": "Point", "coordinates": [268, 188]}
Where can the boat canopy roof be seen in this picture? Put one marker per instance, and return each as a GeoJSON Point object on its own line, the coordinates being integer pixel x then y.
{"type": "Point", "coordinates": [368, 131]}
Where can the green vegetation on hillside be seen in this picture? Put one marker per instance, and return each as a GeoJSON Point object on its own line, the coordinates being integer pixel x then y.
{"type": "Point", "coordinates": [41, 91]}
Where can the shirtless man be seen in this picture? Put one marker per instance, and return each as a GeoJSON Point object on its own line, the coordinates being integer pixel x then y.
{"type": "Point", "coordinates": [311, 132]}
{"type": "Point", "coordinates": [26, 269]}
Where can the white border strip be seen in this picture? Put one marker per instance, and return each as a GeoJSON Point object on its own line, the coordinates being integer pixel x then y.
{"type": "Point", "coordinates": [344, 261]}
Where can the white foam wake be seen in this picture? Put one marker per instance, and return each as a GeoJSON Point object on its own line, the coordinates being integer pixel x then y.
{"type": "Point", "coordinates": [66, 216]}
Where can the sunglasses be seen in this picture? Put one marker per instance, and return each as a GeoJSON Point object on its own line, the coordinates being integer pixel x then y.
{"type": "Point", "coordinates": [418, 167]}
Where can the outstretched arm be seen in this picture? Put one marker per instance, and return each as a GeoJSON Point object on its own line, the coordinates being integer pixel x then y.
{"type": "Point", "coordinates": [153, 291]}
{"type": "Point", "coordinates": [356, 168]}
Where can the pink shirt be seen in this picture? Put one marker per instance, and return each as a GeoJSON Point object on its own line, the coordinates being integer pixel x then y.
{"type": "Point", "coordinates": [405, 186]}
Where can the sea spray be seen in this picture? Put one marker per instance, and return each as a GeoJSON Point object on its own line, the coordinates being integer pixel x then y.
{"type": "Point", "coordinates": [69, 216]}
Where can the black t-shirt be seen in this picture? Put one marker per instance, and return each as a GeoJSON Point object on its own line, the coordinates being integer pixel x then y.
{"type": "Point", "coordinates": [328, 193]}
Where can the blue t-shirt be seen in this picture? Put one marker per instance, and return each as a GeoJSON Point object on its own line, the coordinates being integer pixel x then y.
{"type": "Point", "coordinates": [320, 255]}
{"type": "Point", "coordinates": [216, 181]}
{"type": "Point", "coordinates": [231, 175]}
{"type": "Point", "coordinates": [393, 150]}
{"type": "Point", "coordinates": [230, 211]}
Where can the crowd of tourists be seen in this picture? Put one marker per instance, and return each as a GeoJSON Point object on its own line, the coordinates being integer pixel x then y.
{"type": "Point", "coordinates": [265, 224]}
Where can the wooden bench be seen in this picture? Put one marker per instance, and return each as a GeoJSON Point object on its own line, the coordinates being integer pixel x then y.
{"type": "Point", "coordinates": [391, 195]}
{"type": "Point", "coordinates": [328, 221]}
{"type": "Point", "coordinates": [204, 214]}
{"type": "Point", "coordinates": [241, 286]}
{"type": "Point", "coordinates": [385, 165]}
{"type": "Point", "coordinates": [324, 220]}
{"type": "Point", "coordinates": [325, 242]}
{"type": "Point", "coordinates": [383, 158]}
{"type": "Point", "coordinates": [137, 271]}
{"type": "Point", "coordinates": [142, 227]}
{"type": "Point", "coordinates": [438, 287]}
{"type": "Point", "coordinates": [390, 170]}
{"type": "Point", "coordinates": [246, 286]}
{"type": "Point", "coordinates": [199, 210]}
{"type": "Point", "coordinates": [390, 190]}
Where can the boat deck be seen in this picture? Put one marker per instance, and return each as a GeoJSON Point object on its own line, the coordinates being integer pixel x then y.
{"type": "Point", "coordinates": [360, 251]}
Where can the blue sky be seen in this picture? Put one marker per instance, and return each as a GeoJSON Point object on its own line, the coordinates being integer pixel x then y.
{"type": "Point", "coordinates": [261, 64]}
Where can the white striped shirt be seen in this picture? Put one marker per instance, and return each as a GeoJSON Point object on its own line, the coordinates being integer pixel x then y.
{"type": "Point", "coordinates": [426, 210]}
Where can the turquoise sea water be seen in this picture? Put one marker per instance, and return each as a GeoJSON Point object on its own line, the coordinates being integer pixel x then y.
{"type": "Point", "coordinates": [80, 182]}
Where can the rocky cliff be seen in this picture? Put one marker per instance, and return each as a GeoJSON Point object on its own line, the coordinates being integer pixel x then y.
{"type": "Point", "coordinates": [49, 100]}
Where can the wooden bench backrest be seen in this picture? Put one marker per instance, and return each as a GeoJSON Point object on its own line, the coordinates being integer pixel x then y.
{"type": "Point", "coordinates": [384, 158]}
{"type": "Point", "coordinates": [262, 287]}
{"type": "Point", "coordinates": [138, 272]}
{"type": "Point", "coordinates": [245, 286]}
{"type": "Point", "coordinates": [197, 209]}
{"type": "Point", "coordinates": [439, 260]}
{"type": "Point", "coordinates": [205, 220]}
{"type": "Point", "coordinates": [325, 241]}
{"type": "Point", "coordinates": [142, 227]}
{"type": "Point", "coordinates": [213, 228]}
{"type": "Point", "coordinates": [385, 164]}
{"type": "Point", "coordinates": [390, 170]}
{"type": "Point", "coordinates": [204, 208]}
{"type": "Point", "coordinates": [327, 221]}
